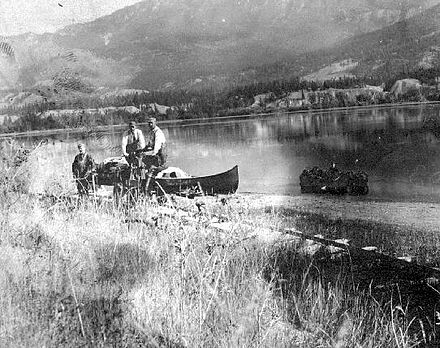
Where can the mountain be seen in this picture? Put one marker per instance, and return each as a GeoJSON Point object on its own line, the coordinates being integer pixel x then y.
{"type": "Point", "coordinates": [402, 47]}
{"type": "Point", "coordinates": [174, 43]}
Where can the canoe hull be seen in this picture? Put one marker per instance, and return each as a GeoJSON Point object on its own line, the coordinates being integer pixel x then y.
{"type": "Point", "coordinates": [115, 171]}
{"type": "Point", "coordinates": [222, 183]}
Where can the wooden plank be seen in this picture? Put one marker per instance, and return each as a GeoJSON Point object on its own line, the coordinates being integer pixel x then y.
{"type": "Point", "coordinates": [423, 271]}
{"type": "Point", "coordinates": [369, 253]}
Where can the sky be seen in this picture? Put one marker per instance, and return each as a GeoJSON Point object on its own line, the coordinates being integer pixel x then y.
{"type": "Point", "coordinates": [39, 16]}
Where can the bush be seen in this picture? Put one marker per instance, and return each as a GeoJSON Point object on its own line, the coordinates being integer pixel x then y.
{"type": "Point", "coordinates": [14, 169]}
{"type": "Point", "coordinates": [413, 95]}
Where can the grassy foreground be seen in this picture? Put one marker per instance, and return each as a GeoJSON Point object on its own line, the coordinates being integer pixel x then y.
{"type": "Point", "coordinates": [98, 275]}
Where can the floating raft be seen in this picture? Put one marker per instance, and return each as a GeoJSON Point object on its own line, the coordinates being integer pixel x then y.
{"type": "Point", "coordinates": [334, 181]}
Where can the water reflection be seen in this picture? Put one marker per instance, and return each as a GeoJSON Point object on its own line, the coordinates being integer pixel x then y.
{"type": "Point", "coordinates": [398, 147]}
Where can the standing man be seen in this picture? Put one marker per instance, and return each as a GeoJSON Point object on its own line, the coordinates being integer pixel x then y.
{"type": "Point", "coordinates": [156, 149]}
{"type": "Point", "coordinates": [155, 153]}
{"type": "Point", "coordinates": [132, 141]}
{"type": "Point", "coordinates": [82, 168]}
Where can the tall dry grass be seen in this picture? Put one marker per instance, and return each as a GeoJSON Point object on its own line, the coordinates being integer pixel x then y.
{"type": "Point", "coordinates": [93, 274]}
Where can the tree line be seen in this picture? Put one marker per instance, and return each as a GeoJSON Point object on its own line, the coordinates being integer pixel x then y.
{"type": "Point", "coordinates": [204, 103]}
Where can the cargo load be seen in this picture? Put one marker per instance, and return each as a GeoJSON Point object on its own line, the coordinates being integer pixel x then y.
{"type": "Point", "coordinates": [112, 170]}
{"type": "Point", "coordinates": [334, 181]}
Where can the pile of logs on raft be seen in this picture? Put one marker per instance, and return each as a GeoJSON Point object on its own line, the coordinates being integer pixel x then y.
{"type": "Point", "coordinates": [334, 181]}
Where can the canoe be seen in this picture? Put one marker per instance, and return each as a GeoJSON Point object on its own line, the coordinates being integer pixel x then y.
{"type": "Point", "coordinates": [222, 183]}
{"type": "Point", "coordinates": [115, 170]}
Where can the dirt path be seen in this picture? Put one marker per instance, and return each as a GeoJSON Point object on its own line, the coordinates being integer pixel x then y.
{"type": "Point", "coordinates": [420, 216]}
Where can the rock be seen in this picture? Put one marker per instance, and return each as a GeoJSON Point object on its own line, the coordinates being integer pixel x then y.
{"type": "Point", "coordinates": [261, 99]}
{"type": "Point", "coordinates": [157, 108]}
{"type": "Point", "coordinates": [404, 86]}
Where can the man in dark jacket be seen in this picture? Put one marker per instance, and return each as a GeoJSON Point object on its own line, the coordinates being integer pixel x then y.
{"type": "Point", "coordinates": [82, 168]}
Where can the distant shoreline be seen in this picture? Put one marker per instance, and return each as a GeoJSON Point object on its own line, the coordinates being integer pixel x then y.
{"type": "Point", "coordinates": [209, 119]}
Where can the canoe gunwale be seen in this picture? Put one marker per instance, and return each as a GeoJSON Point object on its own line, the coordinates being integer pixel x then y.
{"type": "Point", "coordinates": [221, 183]}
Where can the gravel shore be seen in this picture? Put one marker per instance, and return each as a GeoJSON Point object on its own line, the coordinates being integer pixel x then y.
{"type": "Point", "coordinates": [418, 216]}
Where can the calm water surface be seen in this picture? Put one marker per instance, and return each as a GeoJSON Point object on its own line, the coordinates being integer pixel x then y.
{"type": "Point", "coordinates": [399, 147]}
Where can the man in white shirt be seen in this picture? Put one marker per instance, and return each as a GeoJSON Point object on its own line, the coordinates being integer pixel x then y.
{"type": "Point", "coordinates": [156, 142]}
{"type": "Point", "coordinates": [156, 152]}
{"type": "Point", "coordinates": [133, 142]}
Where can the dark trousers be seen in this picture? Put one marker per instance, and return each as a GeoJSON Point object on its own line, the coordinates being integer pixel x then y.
{"type": "Point", "coordinates": [135, 159]}
{"type": "Point", "coordinates": [83, 186]}
{"type": "Point", "coordinates": [153, 165]}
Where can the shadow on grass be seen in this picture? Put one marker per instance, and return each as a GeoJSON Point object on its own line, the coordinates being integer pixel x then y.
{"type": "Point", "coordinates": [123, 263]}
{"type": "Point", "coordinates": [296, 267]}
{"type": "Point", "coordinates": [95, 313]}
{"type": "Point", "coordinates": [94, 322]}
{"type": "Point", "coordinates": [422, 246]}
{"type": "Point", "coordinates": [387, 283]}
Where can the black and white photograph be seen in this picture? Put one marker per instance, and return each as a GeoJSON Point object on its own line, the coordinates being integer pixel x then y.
{"type": "Point", "coordinates": [220, 173]}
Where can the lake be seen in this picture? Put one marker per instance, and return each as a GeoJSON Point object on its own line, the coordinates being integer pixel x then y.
{"type": "Point", "coordinates": [399, 148]}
